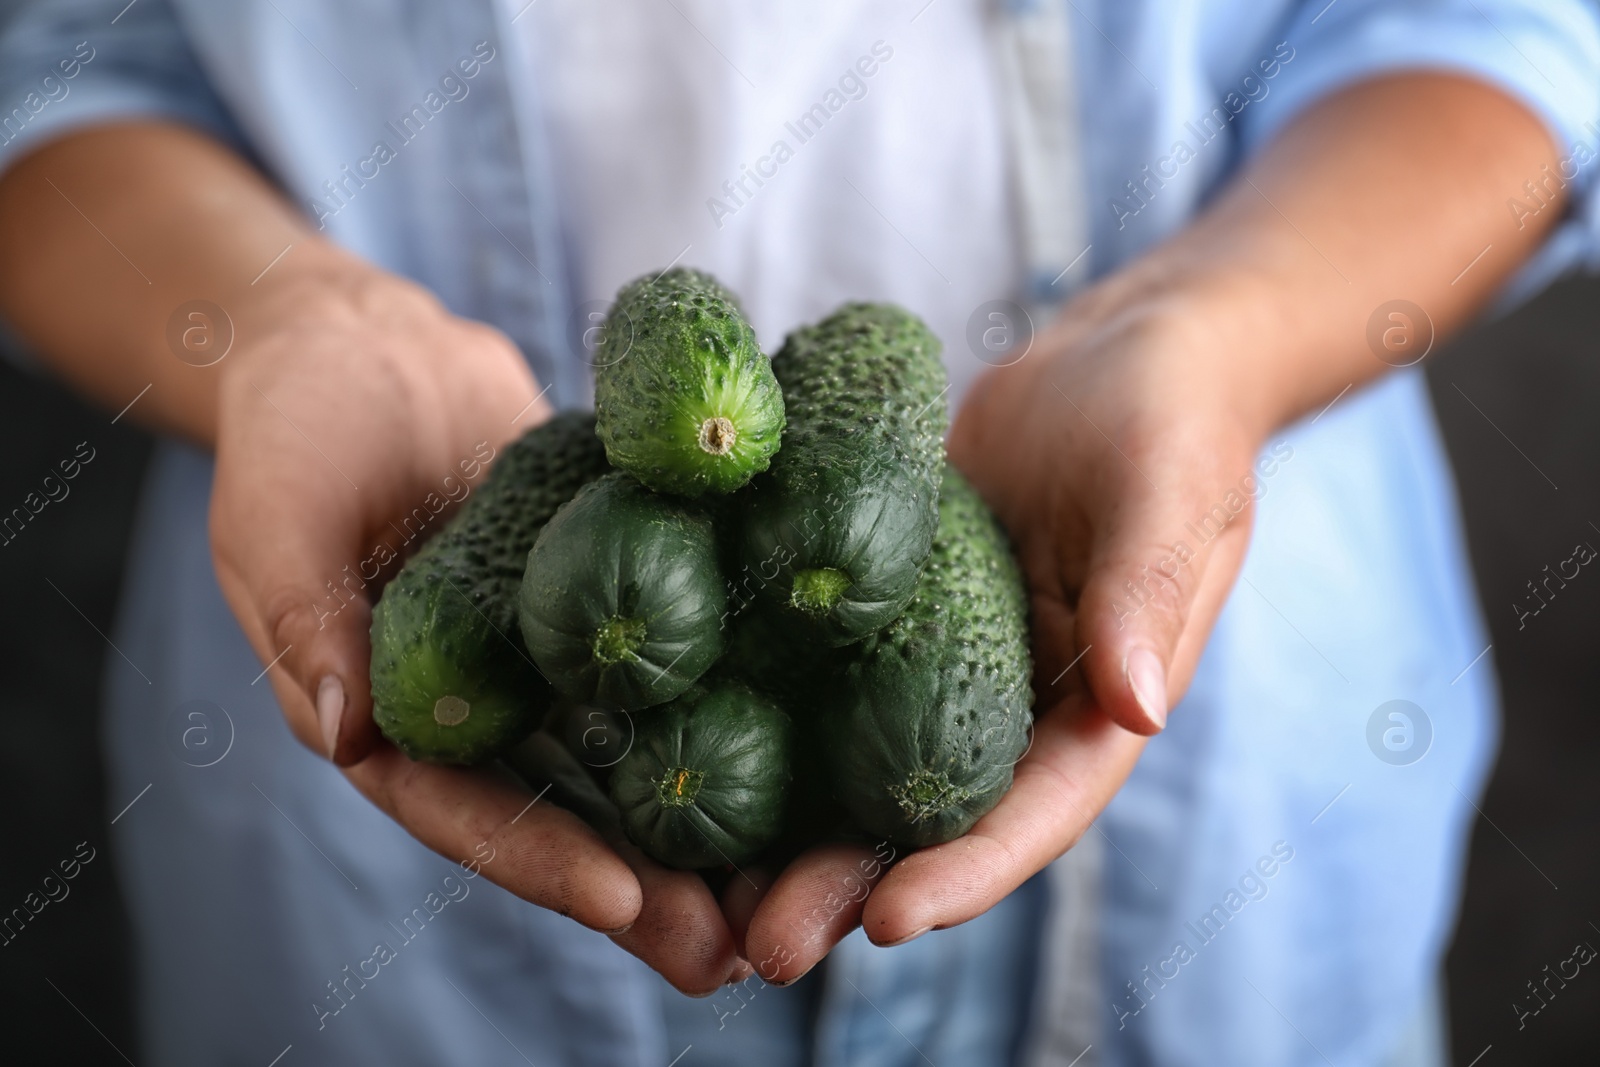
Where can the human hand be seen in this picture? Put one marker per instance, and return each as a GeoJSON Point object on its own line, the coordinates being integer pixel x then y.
{"type": "Point", "coordinates": [351, 399]}
{"type": "Point", "coordinates": [1144, 407]}
{"type": "Point", "coordinates": [1095, 451]}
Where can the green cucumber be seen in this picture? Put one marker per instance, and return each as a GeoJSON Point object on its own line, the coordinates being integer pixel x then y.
{"type": "Point", "coordinates": [596, 737]}
{"type": "Point", "coordinates": [928, 720]}
{"type": "Point", "coordinates": [450, 680]}
{"type": "Point", "coordinates": [833, 536]}
{"type": "Point", "coordinates": [622, 600]}
{"type": "Point", "coordinates": [770, 662]}
{"type": "Point", "coordinates": [684, 399]}
{"type": "Point", "coordinates": [705, 782]}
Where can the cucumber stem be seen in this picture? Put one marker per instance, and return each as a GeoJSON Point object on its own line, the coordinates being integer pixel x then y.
{"type": "Point", "coordinates": [717, 435]}
{"type": "Point", "coordinates": [618, 640]}
{"type": "Point", "coordinates": [451, 711]}
{"type": "Point", "coordinates": [818, 589]}
{"type": "Point", "coordinates": [679, 786]}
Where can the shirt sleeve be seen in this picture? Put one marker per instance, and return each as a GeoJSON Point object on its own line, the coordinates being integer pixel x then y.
{"type": "Point", "coordinates": [1544, 53]}
{"type": "Point", "coordinates": [65, 64]}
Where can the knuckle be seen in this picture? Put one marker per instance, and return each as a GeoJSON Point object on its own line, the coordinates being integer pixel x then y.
{"type": "Point", "coordinates": [387, 297]}
{"type": "Point", "coordinates": [289, 615]}
{"type": "Point", "coordinates": [486, 337]}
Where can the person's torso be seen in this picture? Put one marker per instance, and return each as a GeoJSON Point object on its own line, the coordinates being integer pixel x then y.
{"type": "Point", "coordinates": [483, 196]}
{"type": "Point", "coordinates": [804, 153]}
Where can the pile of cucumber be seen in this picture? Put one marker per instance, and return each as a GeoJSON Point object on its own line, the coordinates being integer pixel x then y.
{"type": "Point", "coordinates": [742, 607]}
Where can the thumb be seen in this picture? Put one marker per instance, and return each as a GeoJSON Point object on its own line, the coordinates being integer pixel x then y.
{"type": "Point", "coordinates": [1158, 573]}
{"type": "Point", "coordinates": [294, 580]}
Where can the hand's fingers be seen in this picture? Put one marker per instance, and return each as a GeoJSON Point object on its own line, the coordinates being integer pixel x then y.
{"type": "Point", "coordinates": [680, 930]}
{"type": "Point", "coordinates": [1078, 761]}
{"type": "Point", "coordinates": [288, 555]}
{"type": "Point", "coordinates": [317, 649]}
{"type": "Point", "coordinates": [1150, 559]}
{"type": "Point", "coordinates": [549, 857]}
{"type": "Point", "coordinates": [299, 545]}
{"type": "Point", "coordinates": [740, 898]}
{"type": "Point", "coordinates": [536, 850]}
{"type": "Point", "coordinates": [815, 902]}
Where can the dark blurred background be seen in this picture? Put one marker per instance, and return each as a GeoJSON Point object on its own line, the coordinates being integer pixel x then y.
{"type": "Point", "coordinates": [65, 972]}
{"type": "Point", "coordinates": [1533, 889]}
{"type": "Point", "coordinates": [1533, 885]}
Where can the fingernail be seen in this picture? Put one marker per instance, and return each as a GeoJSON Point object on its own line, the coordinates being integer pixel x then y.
{"type": "Point", "coordinates": [330, 709]}
{"type": "Point", "coordinates": [1148, 680]}
{"type": "Point", "coordinates": [791, 981]}
{"type": "Point", "coordinates": [912, 936]}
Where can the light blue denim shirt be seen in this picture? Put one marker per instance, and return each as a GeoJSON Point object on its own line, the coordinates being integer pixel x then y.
{"type": "Point", "coordinates": [1275, 893]}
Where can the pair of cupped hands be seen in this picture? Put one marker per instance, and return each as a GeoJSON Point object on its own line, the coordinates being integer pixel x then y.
{"type": "Point", "coordinates": [1094, 448]}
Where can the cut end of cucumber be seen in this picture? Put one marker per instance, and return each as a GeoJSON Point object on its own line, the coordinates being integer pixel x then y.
{"type": "Point", "coordinates": [818, 589]}
{"type": "Point", "coordinates": [451, 711]}
{"type": "Point", "coordinates": [679, 786]}
{"type": "Point", "coordinates": [717, 435]}
{"type": "Point", "coordinates": [925, 794]}
{"type": "Point", "coordinates": [618, 640]}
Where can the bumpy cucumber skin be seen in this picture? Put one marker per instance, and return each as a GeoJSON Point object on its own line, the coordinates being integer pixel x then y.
{"type": "Point", "coordinates": [856, 487]}
{"type": "Point", "coordinates": [677, 352]}
{"type": "Point", "coordinates": [932, 713]}
{"type": "Point", "coordinates": [618, 551]}
{"type": "Point", "coordinates": [446, 625]}
{"type": "Point", "coordinates": [740, 746]}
